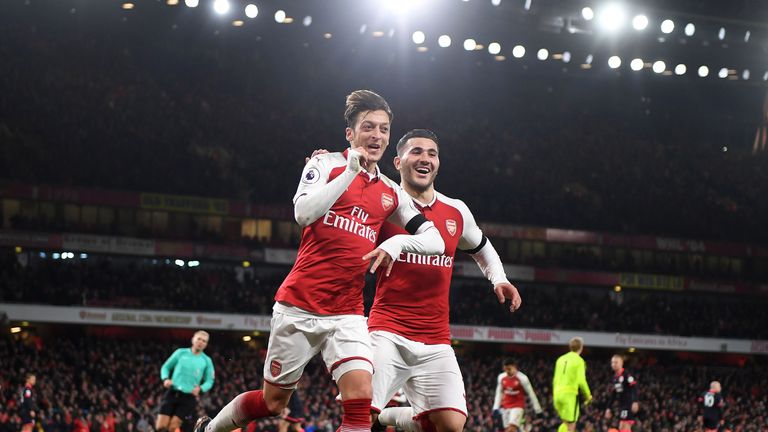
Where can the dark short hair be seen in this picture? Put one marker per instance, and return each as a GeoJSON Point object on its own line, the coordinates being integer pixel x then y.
{"type": "Point", "coordinates": [509, 361]}
{"type": "Point", "coordinates": [416, 133]}
{"type": "Point", "coordinates": [364, 100]}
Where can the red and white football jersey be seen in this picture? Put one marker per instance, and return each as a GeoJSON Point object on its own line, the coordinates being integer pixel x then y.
{"type": "Point", "coordinates": [413, 301]}
{"type": "Point", "coordinates": [329, 273]}
{"type": "Point", "coordinates": [511, 391]}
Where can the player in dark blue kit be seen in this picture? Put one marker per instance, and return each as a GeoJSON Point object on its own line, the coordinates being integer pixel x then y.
{"type": "Point", "coordinates": [28, 404]}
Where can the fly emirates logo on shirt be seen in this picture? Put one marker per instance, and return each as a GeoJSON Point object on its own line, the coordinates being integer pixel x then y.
{"type": "Point", "coordinates": [431, 260]}
{"type": "Point", "coordinates": [354, 224]}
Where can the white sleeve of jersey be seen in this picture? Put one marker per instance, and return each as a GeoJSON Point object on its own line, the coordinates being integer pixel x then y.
{"type": "Point", "coordinates": [406, 209]}
{"type": "Point", "coordinates": [486, 258]}
{"type": "Point", "coordinates": [315, 195]}
{"type": "Point", "coordinates": [526, 383]}
{"type": "Point", "coordinates": [426, 240]}
{"type": "Point", "coordinates": [499, 392]}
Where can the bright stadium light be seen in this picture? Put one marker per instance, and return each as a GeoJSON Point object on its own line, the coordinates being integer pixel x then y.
{"type": "Point", "coordinates": [612, 17]}
{"type": "Point", "coordinates": [690, 29]}
{"type": "Point", "coordinates": [470, 44]}
{"type": "Point", "coordinates": [495, 2]}
{"type": "Point", "coordinates": [703, 71]}
{"type": "Point", "coordinates": [307, 21]}
{"type": "Point", "coordinates": [680, 69]}
{"type": "Point", "coordinates": [518, 51]}
{"type": "Point", "coordinates": [280, 16]}
{"type": "Point", "coordinates": [191, 3]}
{"type": "Point", "coordinates": [589, 59]}
{"type": "Point", "coordinates": [221, 6]}
{"type": "Point", "coordinates": [640, 22]}
{"type": "Point", "coordinates": [179, 263]}
{"type": "Point", "coordinates": [745, 74]}
{"type": "Point", "coordinates": [659, 66]}
{"type": "Point", "coordinates": [587, 13]}
{"type": "Point", "coordinates": [723, 73]}
{"type": "Point", "coordinates": [566, 57]}
{"type": "Point", "coordinates": [418, 37]}
{"type": "Point", "coordinates": [251, 11]}
{"type": "Point", "coordinates": [636, 64]}
{"type": "Point", "coordinates": [765, 76]}
{"type": "Point", "coordinates": [444, 41]}
{"type": "Point", "coordinates": [667, 26]}
{"type": "Point", "coordinates": [721, 33]}
{"type": "Point", "coordinates": [401, 7]}
{"type": "Point", "coordinates": [543, 54]}
{"type": "Point", "coordinates": [494, 48]}
{"type": "Point", "coordinates": [746, 36]}
{"type": "Point", "coordinates": [614, 62]}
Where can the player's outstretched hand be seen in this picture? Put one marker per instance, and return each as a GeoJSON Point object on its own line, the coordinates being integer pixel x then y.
{"type": "Point", "coordinates": [315, 153]}
{"type": "Point", "coordinates": [167, 383]}
{"type": "Point", "coordinates": [380, 259]}
{"type": "Point", "coordinates": [587, 401]}
{"type": "Point", "coordinates": [507, 291]}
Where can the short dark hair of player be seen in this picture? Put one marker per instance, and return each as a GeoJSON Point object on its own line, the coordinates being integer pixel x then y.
{"type": "Point", "coordinates": [415, 133]}
{"type": "Point", "coordinates": [364, 100]}
{"type": "Point", "coordinates": [576, 344]}
{"type": "Point", "coordinates": [509, 361]}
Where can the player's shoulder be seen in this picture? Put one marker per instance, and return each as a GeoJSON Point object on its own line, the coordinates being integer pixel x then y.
{"type": "Point", "coordinates": [331, 159]}
{"type": "Point", "coordinates": [390, 183]}
{"type": "Point", "coordinates": [521, 376]}
{"type": "Point", "coordinates": [453, 202]}
{"type": "Point", "coordinates": [501, 376]}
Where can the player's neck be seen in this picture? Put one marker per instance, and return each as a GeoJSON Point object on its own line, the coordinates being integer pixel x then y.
{"type": "Point", "coordinates": [370, 168]}
{"type": "Point", "coordinates": [424, 197]}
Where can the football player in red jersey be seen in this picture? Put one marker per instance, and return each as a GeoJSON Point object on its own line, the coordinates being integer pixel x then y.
{"type": "Point", "coordinates": [342, 202]}
{"type": "Point", "coordinates": [409, 318]}
{"type": "Point", "coordinates": [510, 399]}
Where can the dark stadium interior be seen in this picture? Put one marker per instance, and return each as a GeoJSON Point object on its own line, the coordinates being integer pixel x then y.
{"type": "Point", "coordinates": [625, 201]}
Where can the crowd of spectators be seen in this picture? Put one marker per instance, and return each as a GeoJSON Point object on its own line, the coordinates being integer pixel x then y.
{"type": "Point", "coordinates": [102, 383]}
{"type": "Point", "coordinates": [145, 109]}
{"type": "Point", "coordinates": [155, 284]}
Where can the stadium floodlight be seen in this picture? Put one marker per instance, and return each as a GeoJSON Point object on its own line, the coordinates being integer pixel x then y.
{"type": "Point", "coordinates": [494, 48]}
{"type": "Point", "coordinates": [721, 33]}
{"type": "Point", "coordinates": [690, 29]}
{"type": "Point", "coordinates": [640, 22]}
{"type": "Point", "coordinates": [614, 62]}
{"type": "Point", "coordinates": [495, 2]}
{"type": "Point", "coordinates": [745, 74]}
{"type": "Point", "coordinates": [179, 263]}
{"type": "Point", "coordinates": [418, 37]}
{"type": "Point", "coordinates": [400, 7]}
{"type": "Point", "coordinates": [746, 36]}
{"type": "Point", "coordinates": [251, 11]}
{"type": "Point", "coordinates": [667, 26]}
{"type": "Point", "coordinates": [566, 57]}
{"type": "Point", "coordinates": [280, 16]}
{"type": "Point", "coordinates": [191, 3]}
{"type": "Point", "coordinates": [703, 71]}
{"type": "Point", "coordinates": [612, 17]}
{"type": "Point", "coordinates": [723, 73]}
{"type": "Point", "coordinates": [221, 6]}
{"type": "Point", "coordinates": [636, 64]}
{"type": "Point", "coordinates": [765, 76]}
{"type": "Point", "coordinates": [518, 51]}
{"type": "Point", "coordinates": [543, 54]}
{"type": "Point", "coordinates": [589, 59]}
{"type": "Point", "coordinates": [659, 66]}
{"type": "Point", "coordinates": [680, 69]}
{"type": "Point", "coordinates": [307, 21]}
{"type": "Point", "coordinates": [470, 44]}
{"type": "Point", "coordinates": [587, 13]}
{"type": "Point", "coordinates": [444, 41]}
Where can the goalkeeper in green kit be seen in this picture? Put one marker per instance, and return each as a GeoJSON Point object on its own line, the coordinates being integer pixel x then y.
{"type": "Point", "coordinates": [569, 380]}
{"type": "Point", "coordinates": [186, 373]}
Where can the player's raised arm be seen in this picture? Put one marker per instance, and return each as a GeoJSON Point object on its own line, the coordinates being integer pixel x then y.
{"type": "Point", "coordinates": [315, 194]}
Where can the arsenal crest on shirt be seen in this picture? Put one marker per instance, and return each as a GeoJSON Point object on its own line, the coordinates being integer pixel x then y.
{"type": "Point", "coordinates": [450, 225]}
{"type": "Point", "coordinates": [275, 368]}
{"type": "Point", "coordinates": [387, 201]}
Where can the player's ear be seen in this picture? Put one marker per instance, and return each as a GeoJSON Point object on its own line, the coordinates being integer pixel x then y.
{"type": "Point", "coordinates": [396, 162]}
{"type": "Point", "coordinates": [349, 134]}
